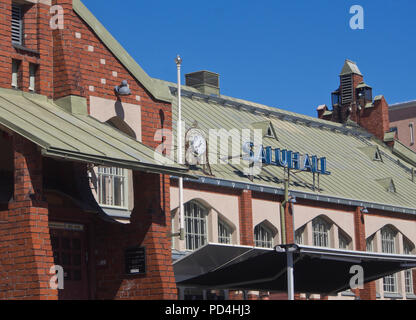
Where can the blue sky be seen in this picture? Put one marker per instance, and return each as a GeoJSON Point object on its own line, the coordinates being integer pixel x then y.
{"type": "Point", "coordinates": [286, 54]}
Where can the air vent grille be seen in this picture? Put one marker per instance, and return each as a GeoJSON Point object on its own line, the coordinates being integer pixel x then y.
{"type": "Point", "coordinates": [17, 25]}
{"type": "Point", "coordinates": [346, 89]}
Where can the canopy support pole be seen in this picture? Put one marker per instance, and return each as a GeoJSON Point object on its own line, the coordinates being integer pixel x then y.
{"type": "Point", "coordinates": [290, 277]}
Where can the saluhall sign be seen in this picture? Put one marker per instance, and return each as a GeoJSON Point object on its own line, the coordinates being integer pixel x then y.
{"type": "Point", "coordinates": [286, 159]}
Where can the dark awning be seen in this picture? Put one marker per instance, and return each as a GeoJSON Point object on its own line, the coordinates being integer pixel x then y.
{"type": "Point", "coordinates": [316, 270]}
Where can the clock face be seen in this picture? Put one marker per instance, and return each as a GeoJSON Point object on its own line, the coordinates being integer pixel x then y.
{"type": "Point", "coordinates": [198, 144]}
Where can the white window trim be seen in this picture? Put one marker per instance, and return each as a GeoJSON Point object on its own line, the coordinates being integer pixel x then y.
{"type": "Point", "coordinates": [125, 186]}
{"type": "Point", "coordinates": [203, 219]}
{"type": "Point", "coordinates": [319, 234]}
{"type": "Point", "coordinates": [388, 245]}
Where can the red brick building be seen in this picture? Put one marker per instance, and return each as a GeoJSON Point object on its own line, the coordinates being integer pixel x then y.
{"type": "Point", "coordinates": [54, 56]}
{"type": "Point", "coordinates": [80, 186]}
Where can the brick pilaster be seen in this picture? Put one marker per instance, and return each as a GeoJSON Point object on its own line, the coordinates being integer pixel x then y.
{"type": "Point", "coordinates": [246, 218]}
{"type": "Point", "coordinates": [289, 224]}
{"type": "Point", "coordinates": [369, 291]}
{"type": "Point", "coordinates": [26, 253]}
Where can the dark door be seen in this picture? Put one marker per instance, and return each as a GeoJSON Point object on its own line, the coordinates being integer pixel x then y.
{"type": "Point", "coordinates": [70, 252]}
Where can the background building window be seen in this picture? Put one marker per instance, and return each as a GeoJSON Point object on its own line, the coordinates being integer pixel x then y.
{"type": "Point", "coordinates": [263, 237]}
{"type": "Point", "coordinates": [388, 245]}
{"type": "Point", "coordinates": [412, 133]}
{"type": "Point", "coordinates": [112, 187]}
{"type": "Point", "coordinates": [224, 233]}
{"type": "Point", "coordinates": [195, 226]}
{"type": "Point", "coordinates": [320, 230]}
{"type": "Point", "coordinates": [408, 276]}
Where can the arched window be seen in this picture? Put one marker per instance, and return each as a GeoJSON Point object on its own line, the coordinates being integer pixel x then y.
{"type": "Point", "coordinates": [320, 230]}
{"type": "Point", "coordinates": [408, 276]}
{"type": "Point", "coordinates": [195, 225]}
{"type": "Point", "coordinates": [343, 241]}
{"type": "Point", "coordinates": [299, 235]}
{"type": "Point", "coordinates": [370, 244]}
{"type": "Point", "coordinates": [388, 245]}
{"type": "Point", "coordinates": [263, 237]}
{"type": "Point", "coordinates": [224, 232]}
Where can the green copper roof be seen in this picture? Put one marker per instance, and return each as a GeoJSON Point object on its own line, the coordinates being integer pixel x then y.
{"type": "Point", "coordinates": [77, 137]}
{"type": "Point", "coordinates": [158, 91]}
{"type": "Point", "coordinates": [354, 171]}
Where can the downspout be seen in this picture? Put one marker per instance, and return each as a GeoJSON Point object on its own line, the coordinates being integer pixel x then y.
{"type": "Point", "coordinates": [282, 213]}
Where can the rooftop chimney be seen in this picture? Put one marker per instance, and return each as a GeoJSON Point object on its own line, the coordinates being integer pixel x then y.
{"type": "Point", "coordinates": [206, 82]}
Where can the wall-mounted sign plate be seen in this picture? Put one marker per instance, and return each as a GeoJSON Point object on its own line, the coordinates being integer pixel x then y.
{"type": "Point", "coordinates": [66, 226]}
{"type": "Point", "coordinates": [135, 260]}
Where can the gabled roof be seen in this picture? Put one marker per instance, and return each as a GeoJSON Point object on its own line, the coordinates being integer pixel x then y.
{"type": "Point", "coordinates": [349, 68]}
{"type": "Point", "coordinates": [76, 137]}
{"type": "Point", "coordinates": [158, 91]}
{"type": "Point", "coordinates": [353, 172]}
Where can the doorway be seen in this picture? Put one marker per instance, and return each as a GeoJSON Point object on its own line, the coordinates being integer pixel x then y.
{"type": "Point", "coordinates": [69, 248]}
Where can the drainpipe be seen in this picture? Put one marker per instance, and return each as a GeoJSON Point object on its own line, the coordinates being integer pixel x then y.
{"type": "Point", "coordinates": [178, 61]}
{"type": "Point", "coordinates": [282, 213]}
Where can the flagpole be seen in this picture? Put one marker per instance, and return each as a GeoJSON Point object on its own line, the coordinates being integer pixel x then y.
{"type": "Point", "coordinates": [178, 61]}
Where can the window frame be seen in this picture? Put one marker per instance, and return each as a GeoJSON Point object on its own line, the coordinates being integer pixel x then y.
{"type": "Point", "coordinates": [202, 216]}
{"type": "Point", "coordinates": [342, 236]}
{"type": "Point", "coordinates": [17, 9]}
{"type": "Point", "coordinates": [263, 237]}
{"type": "Point", "coordinates": [321, 234]}
{"type": "Point", "coordinates": [408, 274]}
{"type": "Point", "coordinates": [125, 187]}
{"type": "Point", "coordinates": [388, 245]}
{"type": "Point", "coordinates": [224, 227]}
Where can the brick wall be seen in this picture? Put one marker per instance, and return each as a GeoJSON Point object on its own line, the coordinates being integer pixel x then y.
{"type": "Point", "coordinates": [150, 224]}
{"type": "Point", "coordinates": [84, 66]}
{"type": "Point", "coordinates": [26, 253]}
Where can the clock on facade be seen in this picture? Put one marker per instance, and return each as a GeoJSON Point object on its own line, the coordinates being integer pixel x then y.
{"type": "Point", "coordinates": [196, 147]}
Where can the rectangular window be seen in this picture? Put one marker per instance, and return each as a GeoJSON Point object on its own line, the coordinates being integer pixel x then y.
{"type": "Point", "coordinates": [412, 133]}
{"type": "Point", "coordinates": [17, 24]}
{"type": "Point", "coordinates": [112, 187]}
{"type": "Point", "coordinates": [33, 68]}
{"type": "Point", "coordinates": [15, 73]}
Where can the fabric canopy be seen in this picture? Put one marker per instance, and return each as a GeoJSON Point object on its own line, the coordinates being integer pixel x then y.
{"type": "Point", "coordinates": [316, 270]}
